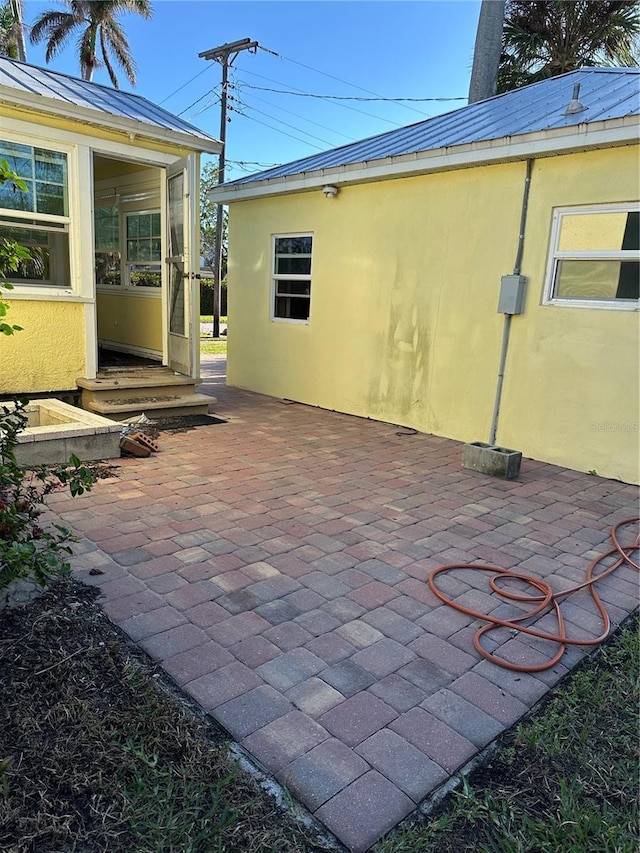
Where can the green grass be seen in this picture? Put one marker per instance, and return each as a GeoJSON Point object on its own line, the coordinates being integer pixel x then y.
{"type": "Point", "coordinates": [213, 346]}
{"type": "Point", "coordinates": [566, 780]}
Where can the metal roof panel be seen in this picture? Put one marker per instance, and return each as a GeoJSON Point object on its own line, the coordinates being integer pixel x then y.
{"type": "Point", "coordinates": [607, 93]}
{"type": "Point", "coordinates": [105, 101]}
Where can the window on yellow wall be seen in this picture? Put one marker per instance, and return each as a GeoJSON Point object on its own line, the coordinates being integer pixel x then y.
{"type": "Point", "coordinates": [292, 277]}
{"type": "Point", "coordinates": [595, 257]}
{"type": "Point", "coordinates": [38, 216]}
{"type": "Point", "coordinates": [144, 249]}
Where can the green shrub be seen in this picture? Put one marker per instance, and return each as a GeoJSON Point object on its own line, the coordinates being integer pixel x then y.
{"type": "Point", "coordinates": [206, 297]}
{"type": "Point", "coordinates": [12, 255]}
{"type": "Point", "coordinates": [28, 548]}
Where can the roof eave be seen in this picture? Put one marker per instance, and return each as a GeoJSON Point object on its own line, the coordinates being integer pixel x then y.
{"type": "Point", "coordinates": [543, 143]}
{"type": "Point", "coordinates": [140, 129]}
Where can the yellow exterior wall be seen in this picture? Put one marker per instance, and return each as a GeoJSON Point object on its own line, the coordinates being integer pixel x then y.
{"type": "Point", "coordinates": [129, 319]}
{"type": "Point", "coordinates": [403, 325]}
{"type": "Point", "coordinates": [572, 378]}
{"type": "Point", "coordinates": [48, 355]}
{"type": "Point", "coordinates": [43, 360]}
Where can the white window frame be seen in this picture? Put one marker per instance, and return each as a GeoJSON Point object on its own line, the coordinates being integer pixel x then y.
{"type": "Point", "coordinates": [127, 264]}
{"type": "Point", "coordinates": [23, 287]}
{"type": "Point", "coordinates": [275, 278]}
{"type": "Point", "coordinates": [131, 197]}
{"type": "Point", "coordinates": [101, 203]}
{"type": "Point", "coordinates": [555, 255]}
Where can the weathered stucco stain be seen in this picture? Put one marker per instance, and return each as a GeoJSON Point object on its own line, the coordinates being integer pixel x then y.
{"type": "Point", "coordinates": [404, 327]}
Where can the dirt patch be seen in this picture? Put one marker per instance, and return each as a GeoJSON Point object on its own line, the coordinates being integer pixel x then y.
{"type": "Point", "coordinates": [102, 471]}
{"type": "Point", "coordinates": [100, 752]}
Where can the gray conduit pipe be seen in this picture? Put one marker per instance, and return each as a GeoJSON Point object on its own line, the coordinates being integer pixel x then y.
{"type": "Point", "coordinates": [507, 317]}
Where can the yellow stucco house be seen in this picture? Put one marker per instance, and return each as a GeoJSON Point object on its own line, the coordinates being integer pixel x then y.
{"type": "Point", "coordinates": [369, 279]}
{"type": "Point", "coordinates": [111, 217]}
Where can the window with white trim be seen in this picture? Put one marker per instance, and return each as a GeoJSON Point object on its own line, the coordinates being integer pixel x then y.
{"type": "Point", "coordinates": [292, 277]}
{"type": "Point", "coordinates": [595, 257]}
{"type": "Point", "coordinates": [37, 217]}
{"type": "Point", "coordinates": [139, 264]}
{"type": "Point", "coordinates": [144, 249]}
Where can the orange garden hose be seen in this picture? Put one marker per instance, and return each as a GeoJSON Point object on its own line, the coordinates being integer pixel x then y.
{"type": "Point", "coordinates": [546, 600]}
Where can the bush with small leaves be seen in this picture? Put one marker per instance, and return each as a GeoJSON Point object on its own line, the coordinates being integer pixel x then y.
{"type": "Point", "coordinates": [29, 548]}
{"type": "Point", "coordinates": [12, 254]}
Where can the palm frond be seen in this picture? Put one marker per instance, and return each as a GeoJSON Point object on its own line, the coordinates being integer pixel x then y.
{"type": "Point", "coordinates": [549, 37]}
{"type": "Point", "coordinates": [113, 41]}
{"type": "Point", "coordinates": [50, 22]}
{"type": "Point", "coordinates": [97, 19]}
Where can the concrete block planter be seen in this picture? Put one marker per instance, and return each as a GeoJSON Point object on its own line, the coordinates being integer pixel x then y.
{"type": "Point", "coordinates": [56, 430]}
{"type": "Point", "coordinates": [492, 460]}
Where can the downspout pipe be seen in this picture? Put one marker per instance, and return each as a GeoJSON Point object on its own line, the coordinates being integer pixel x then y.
{"type": "Point", "coordinates": [507, 317]}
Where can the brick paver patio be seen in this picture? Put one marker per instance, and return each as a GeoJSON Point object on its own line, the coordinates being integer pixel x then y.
{"type": "Point", "coordinates": [276, 566]}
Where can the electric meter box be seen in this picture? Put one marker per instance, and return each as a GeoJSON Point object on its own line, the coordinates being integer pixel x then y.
{"type": "Point", "coordinates": [512, 292]}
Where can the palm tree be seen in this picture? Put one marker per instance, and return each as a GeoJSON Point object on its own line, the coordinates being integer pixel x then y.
{"type": "Point", "coordinates": [486, 53]}
{"type": "Point", "coordinates": [11, 31]}
{"type": "Point", "coordinates": [549, 37]}
{"type": "Point", "coordinates": [97, 21]}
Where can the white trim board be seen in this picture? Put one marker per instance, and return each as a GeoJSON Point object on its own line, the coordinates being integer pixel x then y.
{"type": "Point", "coordinates": [548, 143]}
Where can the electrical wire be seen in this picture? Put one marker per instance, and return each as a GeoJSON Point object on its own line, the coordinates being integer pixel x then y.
{"type": "Point", "coordinates": [253, 163]}
{"type": "Point", "coordinates": [291, 112]}
{"type": "Point", "coordinates": [246, 106]}
{"type": "Point", "coordinates": [338, 104]}
{"type": "Point", "coordinates": [403, 102]}
{"type": "Point", "coordinates": [283, 132]}
{"type": "Point", "coordinates": [197, 101]}
{"type": "Point", "coordinates": [237, 101]}
{"type": "Point", "coordinates": [348, 97]}
{"type": "Point", "coordinates": [249, 168]}
{"type": "Point", "coordinates": [180, 88]}
{"type": "Point", "coordinates": [353, 85]}
{"type": "Point", "coordinates": [546, 601]}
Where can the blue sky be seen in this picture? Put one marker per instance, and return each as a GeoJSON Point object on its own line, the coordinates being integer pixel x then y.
{"type": "Point", "coordinates": [362, 49]}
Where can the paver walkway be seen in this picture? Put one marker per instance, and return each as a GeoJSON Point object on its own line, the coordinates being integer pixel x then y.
{"type": "Point", "coordinates": [276, 565]}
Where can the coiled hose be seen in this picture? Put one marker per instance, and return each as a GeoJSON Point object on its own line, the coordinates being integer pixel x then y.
{"type": "Point", "coordinates": [546, 600]}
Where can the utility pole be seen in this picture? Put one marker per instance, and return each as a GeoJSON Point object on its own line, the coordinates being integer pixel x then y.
{"type": "Point", "coordinates": [486, 54]}
{"type": "Point", "coordinates": [225, 55]}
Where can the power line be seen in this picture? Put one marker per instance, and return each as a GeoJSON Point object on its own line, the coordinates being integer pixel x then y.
{"type": "Point", "coordinates": [217, 99]}
{"type": "Point", "coordinates": [241, 103]}
{"type": "Point", "coordinates": [344, 106]}
{"type": "Point", "coordinates": [197, 101]}
{"type": "Point", "coordinates": [253, 163]}
{"type": "Point", "coordinates": [375, 97]}
{"type": "Point", "coordinates": [249, 168]}
{"type": "Point", "coordinates": [283, 132]}
{"type": "Point", "coordinates": [291, 112]}
{"type": "Point", "coordinates": [348, 97]}
{"type": "Point", "coordinates": [361, 88]}
{"type": "Point", "coordinates": [273, 118]}
{"type": "Point", "coordinates": [180, 88]}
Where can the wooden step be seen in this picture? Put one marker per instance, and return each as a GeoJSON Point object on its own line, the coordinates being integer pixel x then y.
{"type": "Point", "coordinates": [158, 405]}
{"type": "Point", "coordinates": [133, 391]}
{"type": "Point", "coordinates": [120, 393]}
{"type": "Point", "coordinates": [118, 381]}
